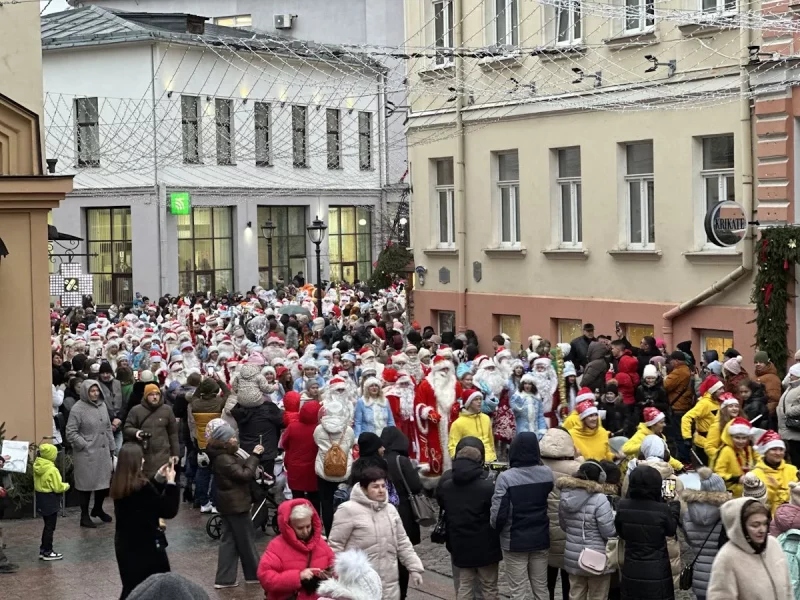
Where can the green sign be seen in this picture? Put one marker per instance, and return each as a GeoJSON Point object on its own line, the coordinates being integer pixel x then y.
{"type": "Point", "coordinates": [180, 203]}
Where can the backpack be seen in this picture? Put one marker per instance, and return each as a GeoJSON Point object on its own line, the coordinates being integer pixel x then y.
{"type": "Point", "coordinates": [335, 463]}
{"type": "Point", "coordinates": [790, 544]}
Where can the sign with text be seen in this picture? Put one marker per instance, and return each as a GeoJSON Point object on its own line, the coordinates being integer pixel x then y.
{"type": "Point", "coordinates": [726, 224]}
{"type": "Point", "coordinates": [180, 203]}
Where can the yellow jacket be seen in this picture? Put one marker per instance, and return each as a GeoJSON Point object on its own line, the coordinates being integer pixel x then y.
{"type": "Point", "coordinates": [46, 476]}
{"type": "Point", "coordinates": [776, 482]}
{"type": "Point", "coordinates": [713, 441]}
{"type": "Point", "coordinates": [727, 464]}
{"type": "Point", "coordinates": [573, 421]}
{"type": "Point", "coordinates": [479, 426]}
{"type": "Point", "coordinates": [592, 443]}
{"type": "Point", "coordinates": [702, 415]}
{"type": "Point", "coordinates": [633, 445]}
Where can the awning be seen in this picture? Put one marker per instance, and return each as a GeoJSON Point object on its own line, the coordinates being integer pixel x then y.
{"type": "Point", "coordinates": [54, 235]}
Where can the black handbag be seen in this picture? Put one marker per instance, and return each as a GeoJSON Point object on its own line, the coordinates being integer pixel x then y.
{"type": "Point", "coordinates": [421, 506]}
{"type": "Point", "coordinates": [439, 533]}
{"type": "Point", "coordinates": [687, 573]}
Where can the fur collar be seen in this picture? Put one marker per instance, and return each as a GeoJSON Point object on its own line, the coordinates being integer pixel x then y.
{"type": "Point", "coordinates": [714, 498]}
{"type": "Point", "coordinates": [571, 483]}
{"type": "Point", "coordinates": [611, 489]}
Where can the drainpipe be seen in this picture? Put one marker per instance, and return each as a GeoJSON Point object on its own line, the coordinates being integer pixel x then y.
{"type": "Point", "coordinates": [159, 191]}
{"type": "Point", "coordinates": [460, 174]}
{"type": "Point", "coordinates": [746, 146]}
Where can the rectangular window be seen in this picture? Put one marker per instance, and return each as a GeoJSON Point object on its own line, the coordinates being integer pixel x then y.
{"type": "Point", "coordinates": [234, 21]}
{"type": "Point", "coordinates": [190, 128]}
{"type": "Point", "coordinates": [641, 194]}
{"type": "Point", "coordinates": [205, 250]}
{"type": "Point", "coordinates": [350, 243]}
{"type": "Point", "coordinates": [639, 15]}
{"type": "Point", "coordinates": [635, 332]}
{"type": "Point", "coordinates": [87, 132]}
{"type": "Point", "coordinates": [569, 329]}
{"type": "Point", "coordinates": [443, 31]}
{"type": "Point", "coordinates": [108, 237]}
{"type": "Point", "coordinates": [569, 186]}
{"type": "Point", "coordinates": [508, 183]}
{"type": "Point", "coordinates": [511, 325]}
{"type": "Point", "coordinates": [568, 22]}
{"type": "Point", "coordinates": [299, 136]}
{"type": "Point", "coordinates": [719, 6]}
{"type": "Point", "coordinates": [446, 320]}
{"type": "Point", "coordinates": [333, 138]}
{"type": "Point", "coordinates": [262, 117]}
{"type": "Point", "coordinates": [717, 173]}
{"type": "Point", "coordinates": [288, 243]}
{"type": "Point", "coordinates": [716, 340]}
{"type": "Point", "coordinates": [506, 22]}
{"type": "Point", "coordinates": [365, 141]}
{"type": "Point", "coordinates": [223, 117]}
{"type": "Point", "coordinates": [445, 203]}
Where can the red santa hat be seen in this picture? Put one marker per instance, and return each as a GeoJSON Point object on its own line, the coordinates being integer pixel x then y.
{"type": "Point", "coordinates": [468, 396]}
{"type": "Point", "coordinates": [741, 426]}
{"type": "Point", "coordinates": [584, 394]}
{"type": "Point", "coordinates": [390, 375]}
{"type": "Point", "coordinates": [652, 416]}
{"type": "Point", "coordinates": [366, 352]}
{"type": "Point", "coordinates": [403, 378]}
{"type": "Point", "coordinates": [441, 362]}
{"type": "Point", "coordinates": [95, 336]}
{"type": "Point", "coordinates": [769, 440]}
{"type": "Point", "coordinates": [586, 409]}
{"type": "Point", "coordinates": [502, 352]}
{"type": "Point", "coordinates": [201, 319]}
{"type": "Point", "coordinates": [710, 385]}
{"type": "Point", "coordinates": [81, 327]}
{"type": "Point", "coordinates": [728, 399]}
{"type": "Point", "coordinates": [112, 334]}
{"type": "Point", "coordinates": [337, 383]}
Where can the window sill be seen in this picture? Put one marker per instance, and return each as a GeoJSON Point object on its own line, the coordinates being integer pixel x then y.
{"type": "Point", "coordinates": [438, 71]}
{"type": "Point", "coordinates": [510, 59]}
{"type": "Point", "coordinates": [633, 40]}
{"type": "Point", "coordinates": [714, 23]}
{"type": "Point", "coordinates": [566, 253]}
{"type": "Point", "coordinates": [713, 256]}
{"type": "Point", "coordinates": [503, 252]}
{"type": "Point", "coordinates": [635, 254]}
{"type": "Point", "coordinates": [555, 52]}
{"type": "Point", "coordinates": [440, 251]}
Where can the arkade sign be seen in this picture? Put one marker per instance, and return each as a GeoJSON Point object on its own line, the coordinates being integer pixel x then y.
{"type": "Point", "coordinates": [726, 224]}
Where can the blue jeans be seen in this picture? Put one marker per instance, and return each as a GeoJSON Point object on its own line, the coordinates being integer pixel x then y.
{"type": "Point", "coordinates": [204, 488]}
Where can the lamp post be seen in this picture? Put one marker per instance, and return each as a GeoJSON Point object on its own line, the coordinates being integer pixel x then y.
{"type": "Point", "coordinates": [316, 233]}
{"type": "Point", "coordinates": [268, 231]}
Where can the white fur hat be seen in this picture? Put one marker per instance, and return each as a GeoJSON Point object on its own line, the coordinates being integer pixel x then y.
{"type": "Point", "coordinates": [356, 579]}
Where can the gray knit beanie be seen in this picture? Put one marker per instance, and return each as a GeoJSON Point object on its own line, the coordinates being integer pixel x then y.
{"type": "Point", "coordinates": [223, 433]}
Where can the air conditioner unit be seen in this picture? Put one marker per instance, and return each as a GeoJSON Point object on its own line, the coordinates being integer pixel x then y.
{"type": "Point", "coordinates": [283, 21]}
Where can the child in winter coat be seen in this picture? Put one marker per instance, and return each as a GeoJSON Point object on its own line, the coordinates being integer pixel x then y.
{"type": "Point", "coordinates": [355, 579]}
{"type": "Point", "coordinates": [611, 403]}
{"type": "Point", "coordinates": [650, 392]}
{"type": "Point", "coordinates": [48, 487]}
{"type": "Point", "coordinates": [528, 408]}
{"type": "Point", "coordinates": [586, 517]}
{"type": "Point", "coordinates": [773, 471]}
{"type": "Point", "coordinates": [702, 524]}
{"type": "Point", "coordinates": [472, 422]}
{"type": "Point", "coordinates": [736, 456]}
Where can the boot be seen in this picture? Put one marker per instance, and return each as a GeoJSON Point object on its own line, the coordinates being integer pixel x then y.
{"type": "Point", "coordinates": [99, 513]}
{"type": "Point", "coordinates": [86, 521]}
{"type": "Point", "coordinates": [188, 495]}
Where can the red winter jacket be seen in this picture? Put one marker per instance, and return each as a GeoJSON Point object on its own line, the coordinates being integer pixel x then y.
{"type": "Point", "coordinates": [286, 556]}
{"type": "Point", "coordinates": [627, 377]}
{"type": "Point", "coordinates": [301, 449]}
{"type": "Point", "coordinates": [291, 408]}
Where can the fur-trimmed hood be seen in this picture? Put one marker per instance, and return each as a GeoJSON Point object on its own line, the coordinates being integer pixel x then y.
{"type": "Point", "coordinates": [713, 498]}
{"type": "Point", "coordinates": [702, 507]}
{"type": "Point", "coordinates": [572, 483]}
{"type": "Point", "coordinates": [575, 493]}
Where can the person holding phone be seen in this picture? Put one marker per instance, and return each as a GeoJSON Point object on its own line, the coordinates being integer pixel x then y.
{"type": "Point", "coordinates": [296, 561]}
{"type": "Point", "coordinates": [139, 504]}
{"type": "Point", "coordinates": [153, 425]}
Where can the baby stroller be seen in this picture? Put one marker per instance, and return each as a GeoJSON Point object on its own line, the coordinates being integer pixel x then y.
{"type": "Point", "coordinates": [264, 500]}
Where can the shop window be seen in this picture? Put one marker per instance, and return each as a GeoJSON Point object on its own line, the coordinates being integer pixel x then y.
{"type": "Point", "coordinates": [569, 329]}
{"type": "Point", "coordinates": [716, 340]}
{"type": "Point", "coordinates": [349, 243]}
{"type": "Point", "coordinates": [205, 250]}
{"type": "Point", "coordinates": [288, 243]}
{"type": "Point", "coordinates": [635, 332]}
{"type": "Point", "coordinates": [108, 236]}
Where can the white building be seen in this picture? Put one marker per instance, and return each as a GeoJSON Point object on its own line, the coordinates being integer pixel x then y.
{"type": "Point", "coordinates": [151, 109]}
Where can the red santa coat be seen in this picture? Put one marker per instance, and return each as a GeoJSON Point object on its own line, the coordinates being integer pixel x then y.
{"type": "Point", "coordinates": [434, 417]}
{"type": "Point", "coordinates": [405, 421]}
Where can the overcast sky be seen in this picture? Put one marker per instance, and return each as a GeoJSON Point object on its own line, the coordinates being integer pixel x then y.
{"type": "Point", "coordinates": [55, 5]}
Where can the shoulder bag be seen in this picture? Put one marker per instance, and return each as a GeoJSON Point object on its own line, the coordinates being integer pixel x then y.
{"type": "Point", "coordinates": [591, 561]}
{"type": "Point", "coordinates": [439, 533]}
{"type": "Point", "coordinates": [421, 506]}
{"type": "Point", "coordinates": [687, 573]}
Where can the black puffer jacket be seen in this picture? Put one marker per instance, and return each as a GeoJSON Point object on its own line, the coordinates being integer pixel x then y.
{"type": "Point", "coordinates": [756, 406]}
{"type": "Point", "coordinates": [644, 522]}
{"type": "Point", "coordinates": [466, 499]}
{"type": "Point", "coordinates": [259, 425]}
{"type": "Point", "coordinates": [594, 375]}
{"type": "Point", "coordinates": [395, 444]}
{"type": "Point", "coordinates": [233, 475]}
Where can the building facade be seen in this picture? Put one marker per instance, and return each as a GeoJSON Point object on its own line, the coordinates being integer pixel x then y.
{"type": "Point", "coordinates": [187, 137]}
{"type": "Point", "coordinates": [593, 146]}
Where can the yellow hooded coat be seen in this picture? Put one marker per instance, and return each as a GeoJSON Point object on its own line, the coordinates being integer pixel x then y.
{"type": "Point", "coordinates": [46, 477]}
{"type": "Point", "coordinates": [702, 415]}
{"type": "Point", "coordinates": [479, 426]}
{"type": "Point", "coordinates": [776, 482]}
{"type": "Point", "coordinates": [592, 443]}
{"type": "Point", "coordinates": [727, 464]}
{"type": "Point", "coordinates": [633, 445]}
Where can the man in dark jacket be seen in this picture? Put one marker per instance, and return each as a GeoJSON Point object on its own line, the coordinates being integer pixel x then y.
{"type": "Point", "coordinates": [260, 424]}
{"type": "Point", "coordinates": [519, 514]}
{"type": "Point", "coordinates": [579, 347]}
{"type": "Point", "coordinates": [594, 375]}
{"type": "Point", "coordinates": [466, 499]}
{"type": "Point", "coordinates": [153, 425]}
{"type": "Point", "coordinates": [112, 394]}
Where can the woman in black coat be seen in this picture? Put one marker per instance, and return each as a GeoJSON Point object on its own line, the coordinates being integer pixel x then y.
{"type": "Point", "coordinates": [395, 444]}
{"type": "Point", "coordinates": [644, 521]}
{"type": "Point", "coordinates": [139, 541]}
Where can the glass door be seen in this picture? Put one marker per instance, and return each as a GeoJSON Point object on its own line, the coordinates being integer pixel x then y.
{"type": "Point", "coordinates": [204, 282]}
{"type": "Point", "coordinates": [349, 272]}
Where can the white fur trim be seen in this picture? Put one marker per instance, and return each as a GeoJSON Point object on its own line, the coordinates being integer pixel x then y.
{"type": "Point", "coordinates": [740, 430]}
{"type": "Point", "coordinates": [657, 419]}
{"type": "Point", "coordinates": [372, 381]}
{"type": "Point", "coordinates": [588, 413]}
{"type": "Point", "coordinates": [716, 387]}
{"type": "Point", "coordinates": [770, 445]}
{"type": "Point", "coordinates": [581, 397]}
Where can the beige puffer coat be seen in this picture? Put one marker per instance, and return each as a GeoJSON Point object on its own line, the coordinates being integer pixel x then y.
{"type": "Point", "coordinates": [376, 528]}
{"type": "Point", "coordinates": [558, 451]}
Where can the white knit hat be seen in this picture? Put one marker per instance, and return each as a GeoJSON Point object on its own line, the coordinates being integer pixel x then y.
{"type": "Point", "coordinates": [649, 371]}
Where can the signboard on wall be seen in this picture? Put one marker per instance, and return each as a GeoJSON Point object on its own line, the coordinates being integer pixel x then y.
{"type": "Point", "coordinates": [726, 224]}
{"type": "Point", "coordinates": [180, 203]}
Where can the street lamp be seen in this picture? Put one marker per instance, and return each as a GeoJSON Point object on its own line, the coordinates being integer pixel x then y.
{"type": "Point", "coordinates": [268, 231]}
{"type": "Point", "coordinates": [316, 233]}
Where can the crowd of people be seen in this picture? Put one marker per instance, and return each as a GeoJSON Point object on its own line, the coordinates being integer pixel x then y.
{"type": "Point", "coordinates": [560, 461]}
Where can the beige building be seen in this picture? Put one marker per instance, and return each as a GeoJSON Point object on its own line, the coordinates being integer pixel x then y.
{"type": "Point", "coordinates": [26, 197]}
{"type": "Point", "coordinates": [586, 179]}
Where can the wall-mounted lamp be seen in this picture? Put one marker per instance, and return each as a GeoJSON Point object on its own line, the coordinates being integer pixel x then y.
{"type": "Point", "coordinates": [51, 165]}
{"type": "Point", "coordinates": [244, 100]}
{"type": "Point", "coordinates": [208, 98]}
{"type": "Point", "coordinates": [169, 94]}
{"type": "Point", "coordinates": [672, 65]}
{"type": "Point", "coordinates": [249, 224]}
{"type": "Point", "coordinates": [597, 76]}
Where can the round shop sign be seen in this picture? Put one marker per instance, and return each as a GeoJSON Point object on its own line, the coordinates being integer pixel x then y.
{"type": "Point", "coordinates": [726, 224]}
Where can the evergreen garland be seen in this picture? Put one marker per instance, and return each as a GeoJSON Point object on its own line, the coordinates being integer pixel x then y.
{"type": "Point", "coordinates": [776, 253]}
{"type": "Point", "coordinates": [390, 264]}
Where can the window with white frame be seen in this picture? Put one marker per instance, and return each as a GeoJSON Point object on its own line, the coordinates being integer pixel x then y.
{"type": "Point", "coordinates": [717, 173]}
{"type": "Point", "coordinates": [718, 6]}
{"type": "Point", "coordinates": [569, 188]}
{"type": "Point", "coordinates": [639, 15]}
{"type": "Point", "coordinates": [262, 118]}
{"type": "Point", "coordinates": [224, 123]}
{"type": "Point", "coordinates": [445, 203]}
{"type": "Point", "coordinates": [640, 186]}
{"type": "Point", "coordinates": [568, 22]}
{"type": "Point", "coordinates": [443, 31]}
{"type": "Point", "coordinates": [87, 132]}
{"type": "Point", "coordinates": [506, 22]}
{"type": "Point", "coordinates": [508, 184]}
{"type": "Point", "coordinates": [190, 125]}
